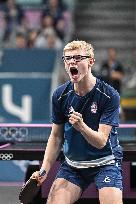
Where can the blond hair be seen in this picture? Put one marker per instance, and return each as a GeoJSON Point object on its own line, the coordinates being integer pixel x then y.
{"type": "Point", "coordinates": [78, 44]}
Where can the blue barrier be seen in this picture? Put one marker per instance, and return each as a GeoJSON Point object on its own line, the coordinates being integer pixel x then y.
{"type": "Point", "coordinates": [34, 60]}
{"type": "Point", "coordinates": [25, 85]}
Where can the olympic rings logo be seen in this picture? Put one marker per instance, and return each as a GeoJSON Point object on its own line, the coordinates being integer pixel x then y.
{"type": "Point", "coordinates": [14, 133]}
{"type": "Point", "coordinates": [6, 156]}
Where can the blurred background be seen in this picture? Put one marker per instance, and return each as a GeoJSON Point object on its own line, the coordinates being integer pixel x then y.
{"type": "Point", "coordinates": [32, 36]}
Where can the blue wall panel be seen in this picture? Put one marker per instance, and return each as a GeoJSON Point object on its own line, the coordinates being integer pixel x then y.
{"type": "Point", "coordinates": [35, 60]}
{"type": "Point", "coordinates": [35, 108]}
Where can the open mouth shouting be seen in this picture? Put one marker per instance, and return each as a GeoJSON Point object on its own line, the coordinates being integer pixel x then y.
{"type": "Point", "coordinates": [74, 72]}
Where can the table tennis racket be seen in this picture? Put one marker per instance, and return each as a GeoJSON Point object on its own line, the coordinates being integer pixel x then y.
{"type": "Point", "coordinates": [30, 189]}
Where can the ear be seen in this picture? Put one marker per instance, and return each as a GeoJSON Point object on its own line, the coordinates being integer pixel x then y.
{"type": "Point", "coordinates": [91, 61]}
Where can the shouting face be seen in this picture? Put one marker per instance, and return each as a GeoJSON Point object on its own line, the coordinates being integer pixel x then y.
{"type": "Point", "coordinates": [77, 64]}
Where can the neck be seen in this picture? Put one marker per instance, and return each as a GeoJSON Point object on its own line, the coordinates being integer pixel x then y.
{"type": "Point", "coordinates": [85, 85]}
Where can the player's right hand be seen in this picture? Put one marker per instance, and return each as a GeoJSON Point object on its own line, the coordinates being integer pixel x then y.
{"type": "Point", "coordinates": [39, 176]}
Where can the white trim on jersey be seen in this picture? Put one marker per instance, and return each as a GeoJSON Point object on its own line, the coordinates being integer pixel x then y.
{"type": "Point", "coordinates": [102, 92]}
{"type": "Point", "coordinates": [110, 159]}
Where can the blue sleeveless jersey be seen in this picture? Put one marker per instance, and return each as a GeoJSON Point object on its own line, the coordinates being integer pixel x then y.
{"type": "Point", "coordinates": [99, 106]}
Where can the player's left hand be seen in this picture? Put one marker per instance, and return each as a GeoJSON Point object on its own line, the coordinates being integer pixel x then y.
{"type": "Point", "coordinates": [76, 120]}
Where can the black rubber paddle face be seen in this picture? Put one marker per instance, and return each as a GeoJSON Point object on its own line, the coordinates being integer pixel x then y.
{"type": "Point", "coordinates": [29, 191]}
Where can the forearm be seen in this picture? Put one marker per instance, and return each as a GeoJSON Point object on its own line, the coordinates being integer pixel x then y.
{"type": "Point", "coordinates": [52, 152]}
{"type": "Point", "coordinates": [95, 138]}
{"type": "Point", "coordinates": [98, 138]}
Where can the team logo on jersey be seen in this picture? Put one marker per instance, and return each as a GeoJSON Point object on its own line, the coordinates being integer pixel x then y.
{"type": "Point", "coordinates": [71, 109]}
{"type": "Point", "coordinates": [107, 179]}
{"type": "Point", "coordinates": [94, 107]}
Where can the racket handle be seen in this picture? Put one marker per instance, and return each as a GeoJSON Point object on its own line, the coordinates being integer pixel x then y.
{"type": "Point", "coordinates": [42, 172]}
